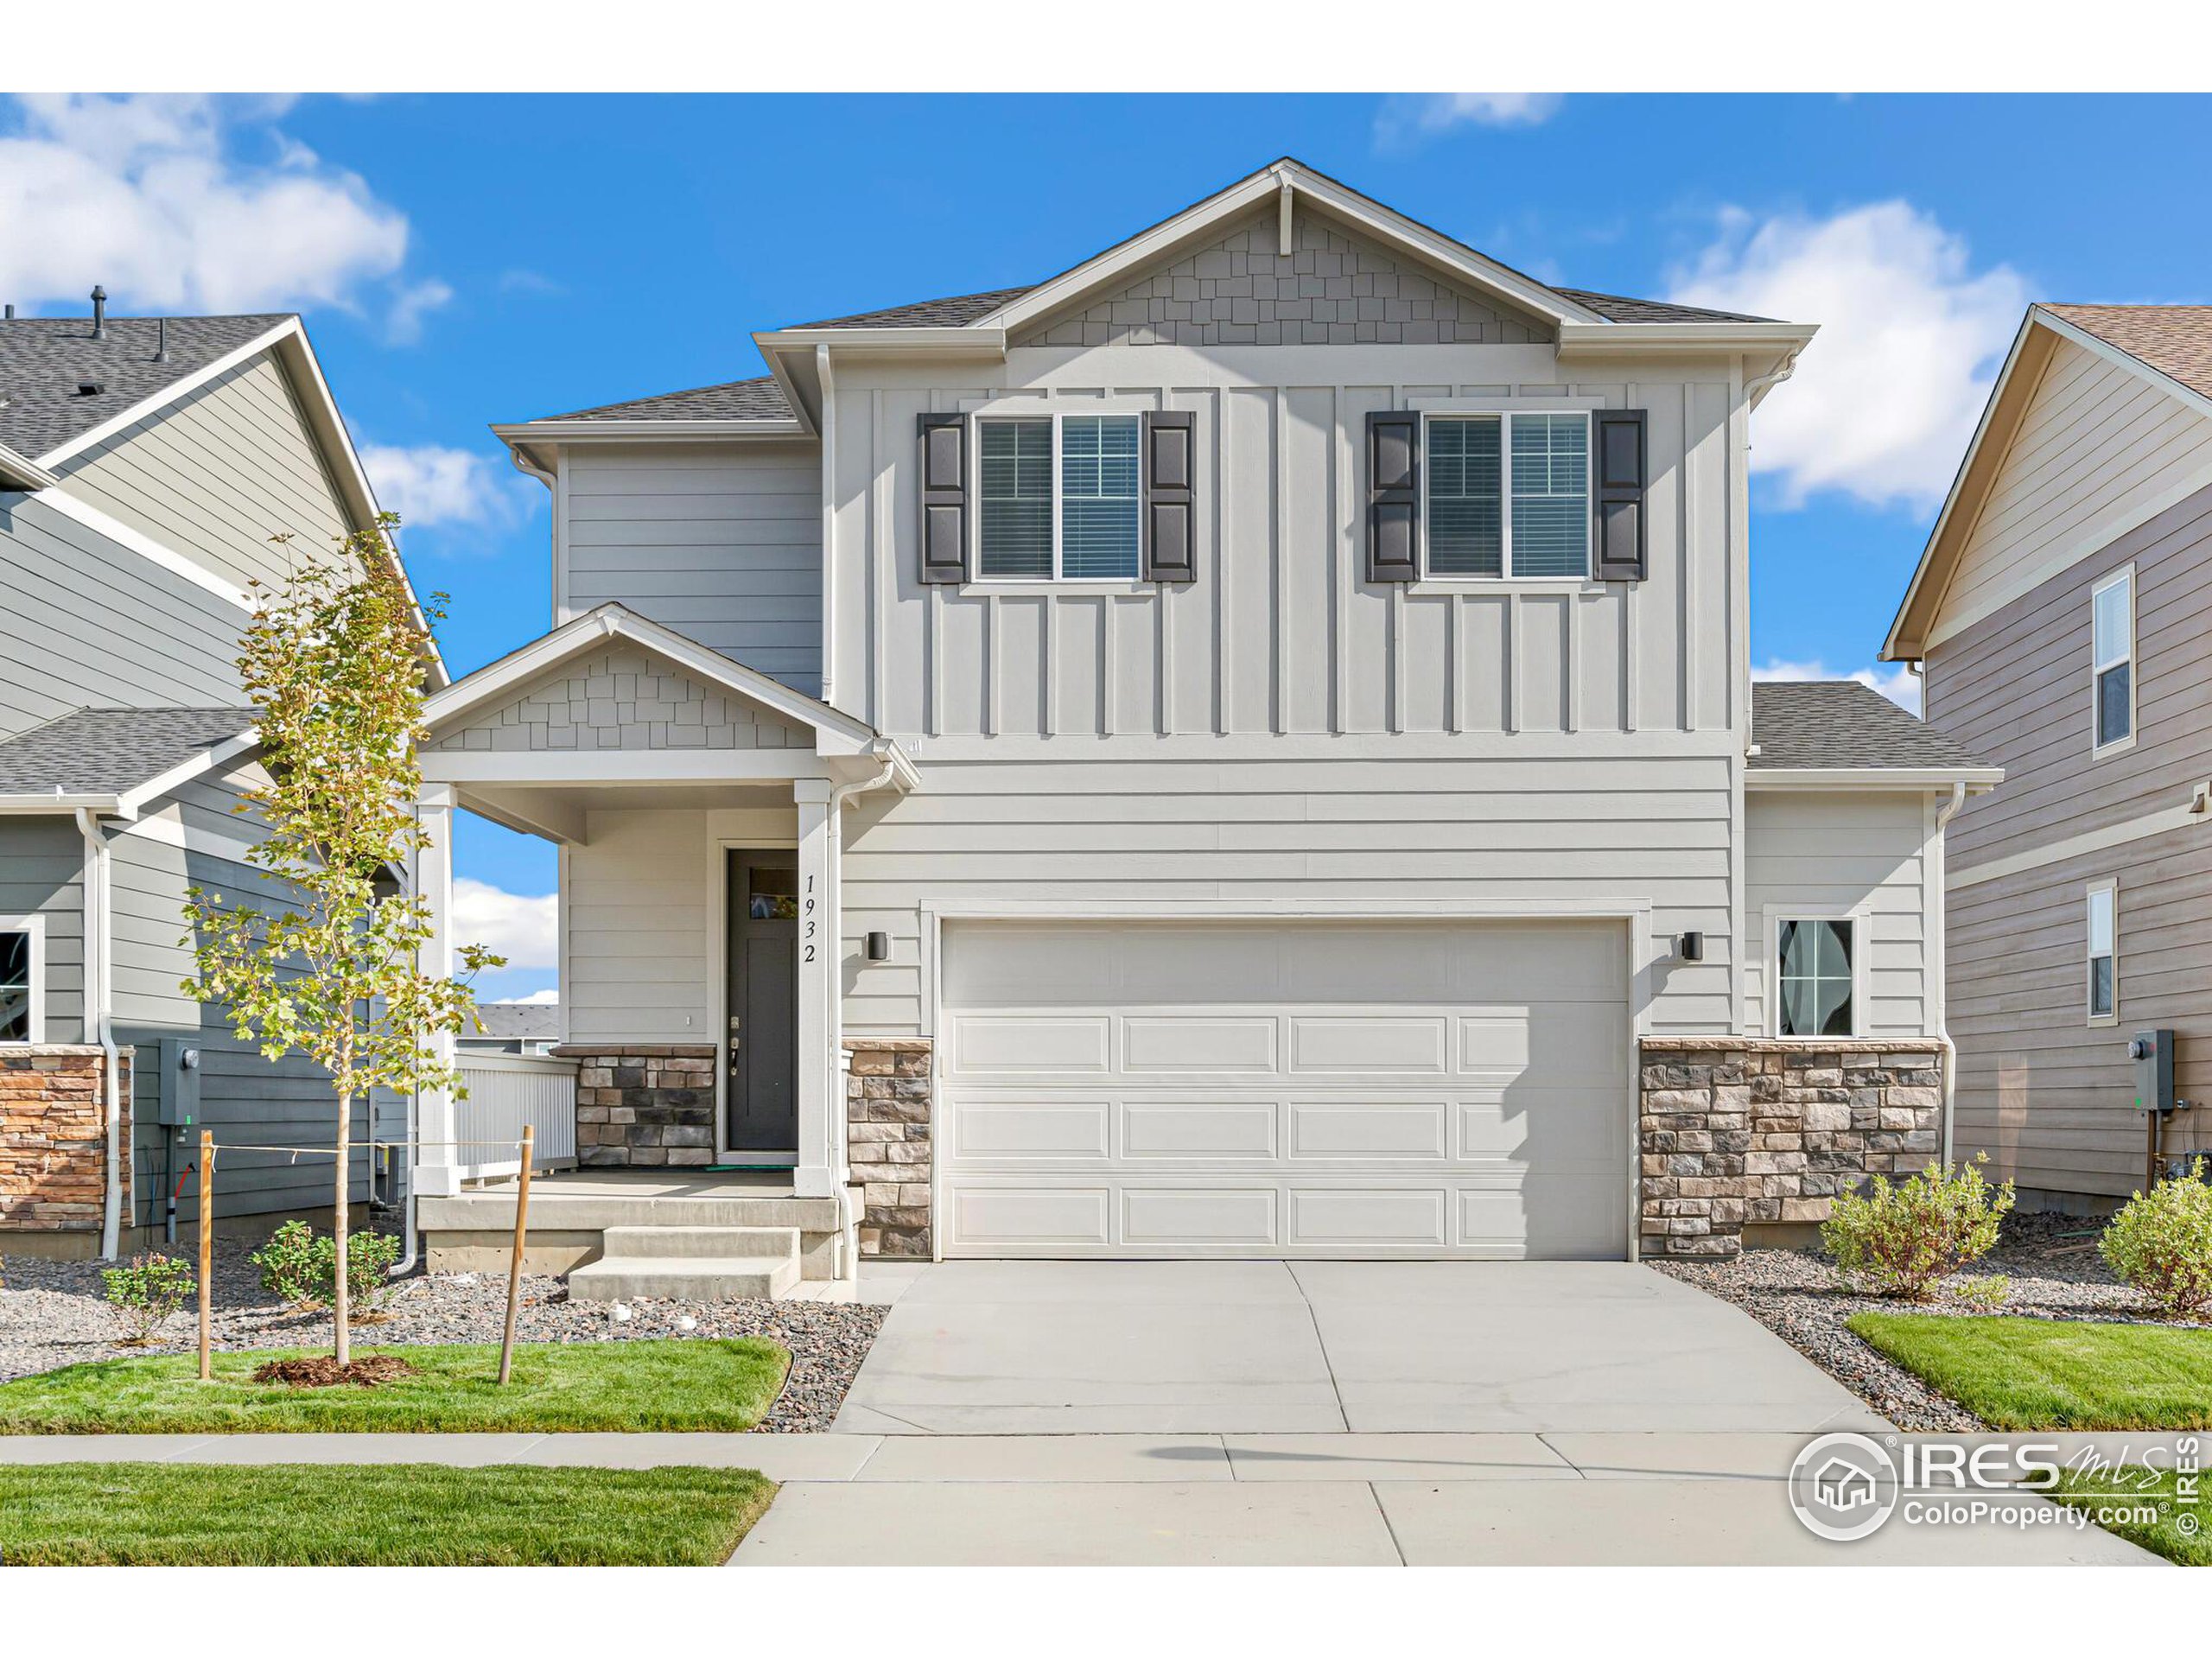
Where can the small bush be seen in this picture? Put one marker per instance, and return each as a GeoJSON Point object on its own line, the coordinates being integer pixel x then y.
{"type": "Point", "coordinates": [2161, 1243]}
{"type": "Point", "coordinates": [287, 1264]}
{"type": "Point", "coordinates": [370, 1258]}
{"type": "Point", "coordinates": [147, 1292]}
{"type": "Point", "coordinates": [1904, 1240]}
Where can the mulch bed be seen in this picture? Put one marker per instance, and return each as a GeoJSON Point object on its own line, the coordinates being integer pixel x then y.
{"type": "Point", "coordinates": [323, 1372]}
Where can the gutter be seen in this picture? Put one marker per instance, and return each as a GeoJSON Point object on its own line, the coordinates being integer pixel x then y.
{"type": "Point", "coordinates": [99, 1001]}
{"type": "Point", "coordinates": [1944, 814]}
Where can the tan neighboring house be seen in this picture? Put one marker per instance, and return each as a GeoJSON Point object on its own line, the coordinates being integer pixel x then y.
{"type": "Point", "coordinates": [2063, 614]}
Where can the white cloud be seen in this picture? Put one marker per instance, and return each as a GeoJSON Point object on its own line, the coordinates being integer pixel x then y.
{"type": "Point", "coordinates": [1893, 680]}
{"type": "Point", "coordinates": [156, 197]}
{"type": "Point", "coordinates": [1405, 120]}
{"type": "Point", "coordinates": [430, 484]}
{"type": "Point", "coordinates": [520, 926]}
{"type": "Point", "coordinates": [547, 997]}
{"type": "Point", "coordinates": [1885, 400]}
{"type": "Point", "coordinates": [404, 326]}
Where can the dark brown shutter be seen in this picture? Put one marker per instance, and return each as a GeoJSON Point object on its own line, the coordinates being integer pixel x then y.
{"type": "Point", "coordinates": [1393, 495]}
{"type": "Point", "coordinates": [1621, 438]}
{"type": "Point", "coordinates": [1168, 437]}
{"type": "Point", "coordinates": [945, 498]}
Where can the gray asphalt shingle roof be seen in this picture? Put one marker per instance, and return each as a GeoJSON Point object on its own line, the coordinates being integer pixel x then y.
{"type": "Point", "coordinates": [111, 751]}
{"type": "Point", "coordinates": [955, 311]}
{"type": "Point", "coordinates": [760, 399]}
{"type": "Point", "coordinates": [517, 1021]}
{"type": "Point", "coordinates": [1842, 724]}
{"type": "Point", "coordinates": [45, 360]}
{"type": "Point", "coordinates": [1617, 308]}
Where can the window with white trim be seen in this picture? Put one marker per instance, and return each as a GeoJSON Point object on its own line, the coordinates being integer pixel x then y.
{"type": "Point", "coordinates": [23, 973]}
{"type": "Point", "coordinates": [2103, 930]}
{"type": "Point", "coordinates": [2112, 604]}
{"type": "Point", "coordinates": [1813, 977]}
{"type": "Point", "coordinates": [1059, 498]}
{"type": "Point", "coordinates": [1508, 495]}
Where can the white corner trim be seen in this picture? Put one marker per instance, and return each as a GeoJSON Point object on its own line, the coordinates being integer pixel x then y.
{"type": "Point", "coordinates": [174, 560]}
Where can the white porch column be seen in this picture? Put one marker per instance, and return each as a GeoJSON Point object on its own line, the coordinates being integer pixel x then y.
{"type": "Point", "coordinates": [436, 1163]}
{"type": "Point", "coordinates": [820, 1161]}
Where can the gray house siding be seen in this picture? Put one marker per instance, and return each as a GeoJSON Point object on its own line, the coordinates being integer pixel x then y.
{"type": "Point", "coordinates": [42, 874]}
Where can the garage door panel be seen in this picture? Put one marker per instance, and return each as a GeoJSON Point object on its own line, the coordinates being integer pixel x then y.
{"type": "Point", "coordinates": [1199, 1043]}
{"type": "Point", "coordinates": [1564, 1217]}
{"type": "Point", "coordinates": [1368, 1044]}
{"type": "Point", "coordinates": [1355, 1217]}
{"type": "Point", "coordinates": [1199, 1217]}
{"type": "Point", "coordinates": [1037, 1216]}
{"type": "Point", "coordinates": [1550, 1126]}
{"type": "Point", "coordinates": [1420, 1130]}
{"type": "Point", "coordinates": [1019, 1043]}
{"type": "Point", "coordinates": [1199, 1129]}
{"type": "Point", "coordinates": [1014, 1130]}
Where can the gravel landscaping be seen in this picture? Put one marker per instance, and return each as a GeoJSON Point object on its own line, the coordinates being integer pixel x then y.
{"type": "Point", "coordinates": [53, 1314]}
{"type": "Point", "coordinates": [2054, 1273]}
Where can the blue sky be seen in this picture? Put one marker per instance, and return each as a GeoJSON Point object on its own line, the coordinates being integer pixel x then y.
{"type": "Point", "coordinates": [466, 259]}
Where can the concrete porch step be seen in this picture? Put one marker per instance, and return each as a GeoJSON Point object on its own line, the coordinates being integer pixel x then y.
{"type": "Point", "coordinates": [627, 1242]}
{"type": "Point", "coordinates": [691, 1278]}
{"type": "Point", "coordinates": [492, 1209]}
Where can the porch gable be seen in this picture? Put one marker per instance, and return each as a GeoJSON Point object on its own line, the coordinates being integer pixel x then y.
{"type": "Point", "coordinates": [623, 697]}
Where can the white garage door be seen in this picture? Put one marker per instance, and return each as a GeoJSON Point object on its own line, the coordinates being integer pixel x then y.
{"type": "Point", "coordinates": [1284, 1089]}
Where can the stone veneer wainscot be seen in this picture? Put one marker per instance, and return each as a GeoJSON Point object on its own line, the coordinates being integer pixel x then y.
{"type": "Point", "coordinates": [643, 1105]}
{"type": "Point", "coordinates": [1738, 1132]}
{"type": "Point", "coordinates": [887, 1142]}
{"type": "Point", "coordinates": [54, 1142]}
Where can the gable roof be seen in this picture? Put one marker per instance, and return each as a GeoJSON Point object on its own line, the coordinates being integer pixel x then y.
{"type": "Point", "coordinates": [1842, 725]}
{"type": "Point", "coordinates": [46, 362]}
{"type": "Point", "coordinates": [757, 399]}
{"type": "Point", "coordinates": [517, 1021]}
{"type": "Point", "coordinates": [106, 757]}
{"type": "Point", "coordinates": [2168, 346]}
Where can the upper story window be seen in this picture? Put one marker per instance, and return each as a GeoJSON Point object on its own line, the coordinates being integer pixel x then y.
{"type": "Point", "coordinates": [1059, 497]}
{"type": "Point", "coordinates": [21, 989]}
{"type": "Point", "coordinates": [1813, 978]}
{"type": "Point", "coordinates": [1509, 495]}
{"type": "Point", "coordinates": [2104, 953]}
{"type": "Point", "coordinates": [2113, 604]}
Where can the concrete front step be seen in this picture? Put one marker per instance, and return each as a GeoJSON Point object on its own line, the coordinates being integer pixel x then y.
{"type": "Point", "coordinates": [493, 1209]}
{"type": "Point", "coordinates": [689, 1278]}
{"type": "Point", "coordinates": [661, 1242]}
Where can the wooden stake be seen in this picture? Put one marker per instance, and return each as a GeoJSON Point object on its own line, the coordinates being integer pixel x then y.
{"type": "Point", "coordinates": [514, 1268]}
{"type": "Point", "coordinates": [207, 1251]}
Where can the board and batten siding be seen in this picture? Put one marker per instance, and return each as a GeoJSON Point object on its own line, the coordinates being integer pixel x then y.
{"type": "Point", "coordinates": [87, 623]}
{"type": "Point", "coordinates": [2099, 448]}
{"type": "Point", "coordinates": [218, 473]}
{"type": "Point", "coordinates": [723, 542]}
{"type": "Point", "coordinates": [1820, 853]}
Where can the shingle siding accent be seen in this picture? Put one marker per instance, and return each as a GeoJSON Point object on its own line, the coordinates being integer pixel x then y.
{"type": "Point", "coordinates": [624, 700]}
{"type": "Point", "coordinates": [1331, 289]}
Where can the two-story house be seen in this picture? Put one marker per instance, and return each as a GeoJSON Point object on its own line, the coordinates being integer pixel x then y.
{"type": "Point", "coordinates": [2060, 612]}
{"type": "Point", "coordinates": [1245, 748]}
{"type": "Point", "coordinates": [145, 463]}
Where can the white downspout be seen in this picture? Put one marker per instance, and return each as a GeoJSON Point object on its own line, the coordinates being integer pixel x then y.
{"type": "Point", "coordinates": [1944, 814]}
{"type": "Point", "coordinates": [97, 997]}
{"type": "Point", "coordinates": [838, 796]}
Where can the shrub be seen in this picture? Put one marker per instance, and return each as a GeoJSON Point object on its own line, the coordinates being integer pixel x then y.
{"type": "Point", "coordinates": [2161, 1243]}
{"type": "Point", "coordinates": [1904, 1240]}
{"type": "Point", "coordinates": [369, 1261]}
{"type": "Point", "coordinates": [147, 1292]}
{"type": "Point", "coordinates": [287, 1264]}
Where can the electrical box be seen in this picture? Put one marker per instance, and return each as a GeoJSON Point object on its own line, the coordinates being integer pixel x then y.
{"type": "Point", "coordinates": [2154, 1054]}
{"type": "Point", "coordinates": [178, 1102]}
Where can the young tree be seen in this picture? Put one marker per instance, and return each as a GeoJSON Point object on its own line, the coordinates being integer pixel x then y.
{"type": "Point", "coordinates": [334, 660]}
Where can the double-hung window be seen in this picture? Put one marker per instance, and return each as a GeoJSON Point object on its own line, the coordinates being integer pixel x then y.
{"type": "Point", "coordinates": [22, 973]}
{"type": "Point", "coordinates": [1813, 978]}
{"type": "Point", "coordinates": [2112, 606]}
{"type": "Point", "coordinates": [1059, 498]}
{"type": "Point", "coordinates": [2104, 953]}
{"type": "Point", "coordinates": [1509, 495]}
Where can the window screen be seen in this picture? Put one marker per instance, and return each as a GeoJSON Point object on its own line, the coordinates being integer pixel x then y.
{"type": "Point", "coordinates": [1466, 499]}
{"type": "Point", "coordinates": [1551, 495]}
{"type": "Point", "coordinates": [1098, 496]}
{"type": "Point", "coordinates": [1016, 499]}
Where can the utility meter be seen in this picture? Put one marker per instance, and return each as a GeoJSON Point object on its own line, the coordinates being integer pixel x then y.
{"type": "Point", "coordinates": [2152, 1051]}
{"type": "Point", "coordinates": [177, 1104]}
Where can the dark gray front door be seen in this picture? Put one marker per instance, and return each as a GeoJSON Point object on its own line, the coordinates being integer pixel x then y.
{"type": "Point", "coordinates": [763, 1005]}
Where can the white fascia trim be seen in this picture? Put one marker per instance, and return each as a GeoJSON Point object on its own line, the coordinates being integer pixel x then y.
{"type": "Point", "coordinates": [1578, 340]}
{"type": "Point", "coordinates": [835, 733]}
{"type": "Point", "coordinates": [526, 432]}
{"type": "Point", "coordinates": [170, 394]}
{"type": "Point", "coordinates": [1978, 779]}
{"type": "Point", "coordinates": [973, 339]}
{"type": "Point", "coordinates": [172, 560]}
{"type": "Point", "coordinates": [133, 802]}
{"type": "Point", "coordinates": [54, 801]}
{"type": "Point", "coordinates": [20, 472]}
{"type": "Point", "coordinates": [621, 768]}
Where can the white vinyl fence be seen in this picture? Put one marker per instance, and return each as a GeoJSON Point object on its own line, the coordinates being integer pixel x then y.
{"type": "Point", "coordinates": [504, 1092]}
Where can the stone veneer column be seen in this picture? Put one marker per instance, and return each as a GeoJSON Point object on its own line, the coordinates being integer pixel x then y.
{"type": "Point", "coordinates": [888, 1141]}
{"type": "Point", "coordinates": [54, 1140]}
{"type": "Point", "coordinates": [643, 1105]}
{"type": "Point", "coordinates": [1738, 1132]}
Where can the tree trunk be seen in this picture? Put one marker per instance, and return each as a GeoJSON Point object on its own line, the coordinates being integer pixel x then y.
{"type": "Point", "coordinates": [340, 1302]}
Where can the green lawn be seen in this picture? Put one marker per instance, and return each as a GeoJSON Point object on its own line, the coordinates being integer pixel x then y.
{"type": "Point", "coordinates": [393, 1515]}
{"type": "Point", "coordinates": [2015, 1373]}
{"type": "Point", "coordinates": [2177, 1533]}
{"type": "Point", "coordinates": [641, 1385]}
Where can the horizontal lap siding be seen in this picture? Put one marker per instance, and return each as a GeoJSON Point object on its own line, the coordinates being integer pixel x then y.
{"type": "Point", "coordinates": [724, 544]}
{"type": "Point", "coordinates": [1822, 854]}
{"type": "Point", "coordinates": [219, 473]}
{"type": "Point", "coordinates": [1158, 833]}
{"type": "Point", "coordinates": [42, 874]}
{"type": "Point", "coordinates": [2050, 1097]}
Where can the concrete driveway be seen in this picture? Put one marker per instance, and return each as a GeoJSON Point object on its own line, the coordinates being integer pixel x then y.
{"type": "Point", "coordinates": [1334, 1413]}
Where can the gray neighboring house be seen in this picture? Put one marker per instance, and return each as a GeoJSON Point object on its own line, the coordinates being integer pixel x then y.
{"type": "Point", "coordinates": [1245, 748]}
{"type": "Point", "coordinates": [513, 1028]}
{"type": "Point", "coordinates": [2060, 611]}
{"type": "Point", "coordinates": [144, 465]}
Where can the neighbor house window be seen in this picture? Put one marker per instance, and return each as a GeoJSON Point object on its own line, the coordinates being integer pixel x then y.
{"type": "Point", "coordinates": [2114, 605]}
{"type": "Point", "coordinates": [21, 992]}
{"type": "Point", "coordinates": [2104, 955]}
{"type": "Point", "coordinates": [1059, 497]}
{"type": "Point", "coordinates": [1812, 979]}
{"type": "Point", "coordinates": [1509, 495]}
